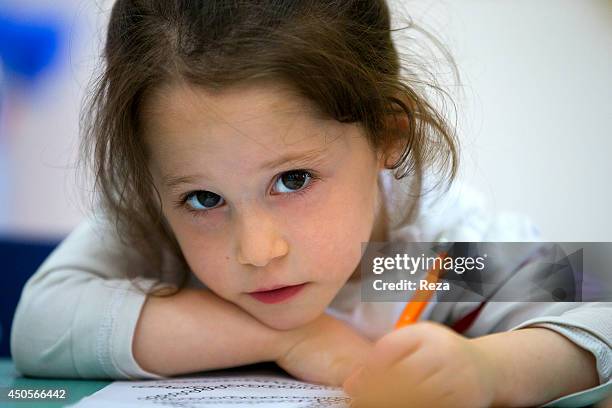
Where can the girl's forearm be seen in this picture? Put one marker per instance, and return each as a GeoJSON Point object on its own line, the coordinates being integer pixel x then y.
{"type": "Point", "coordinates": [536, 365]}
{"type": "Point", "coordinates": [195, 330]}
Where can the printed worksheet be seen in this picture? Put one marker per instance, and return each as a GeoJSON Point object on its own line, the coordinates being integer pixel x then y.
{"type": "Point", "coordinates": [263, 388]}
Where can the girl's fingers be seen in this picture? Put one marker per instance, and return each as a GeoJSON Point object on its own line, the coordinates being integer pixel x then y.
{"type": "Point", "coordinates": [353, 383]}
{"type": "Point", "coordinates": [403, 356]}
{"type": "Point", "coordinates": [403, 351]}
{"type": "Point", "coordinates": [393, 347]}
{"type": "Point", "coordinates": [393, 390]}
{"type": "Point", "coordinates": [389, 390]}
{"type": "Point", "coordinates": [400, 375]}
{"type": "Point", "coordinates": [386, 352]}
{"type": "Point", "coordinates": [417, 367]}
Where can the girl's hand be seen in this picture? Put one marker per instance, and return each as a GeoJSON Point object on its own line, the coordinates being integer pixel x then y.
{"type": "Point", "coordinates": [423, 365]}
{"type": "Point", "coordinates": [325, 351]}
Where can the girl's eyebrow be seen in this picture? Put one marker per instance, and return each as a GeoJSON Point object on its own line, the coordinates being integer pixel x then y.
{"type": "Point", "coordinates": [294, 158]}
{"type": "Point", "coordinates": [309, 157]}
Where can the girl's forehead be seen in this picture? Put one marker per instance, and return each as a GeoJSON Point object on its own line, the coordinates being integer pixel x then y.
{"type": "Point", "coordinates": [250, 126]}
{"type": "Point", "coordinates": [182, 115]}
{"type": "Point", "coordinates": [236, 104]}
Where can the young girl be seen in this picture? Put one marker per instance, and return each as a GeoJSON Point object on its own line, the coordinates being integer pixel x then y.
{"type": "Point", "coordinates": [243, 152]}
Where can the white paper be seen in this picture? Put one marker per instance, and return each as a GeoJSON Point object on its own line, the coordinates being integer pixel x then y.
{"type": "Point", "coordinates": [235, 389]}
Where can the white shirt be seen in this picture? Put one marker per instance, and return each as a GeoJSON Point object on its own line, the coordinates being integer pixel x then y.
{"type": "Point", "coordinates": [77, 314]}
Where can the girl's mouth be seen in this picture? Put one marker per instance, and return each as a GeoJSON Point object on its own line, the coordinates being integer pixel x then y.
{"type": "Point", "coordinates": [277, 295]}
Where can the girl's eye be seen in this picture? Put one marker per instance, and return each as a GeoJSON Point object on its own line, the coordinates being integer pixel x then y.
{"type": "Point", "coordinates": [203, 200]}
{"type": "Point", "coordinates": [291, 181]}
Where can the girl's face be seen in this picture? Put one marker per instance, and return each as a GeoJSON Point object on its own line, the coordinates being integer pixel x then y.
{"type": "Point", "coordinates": [261, 192]}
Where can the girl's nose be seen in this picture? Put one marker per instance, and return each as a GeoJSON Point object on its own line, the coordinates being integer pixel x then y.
{"type": "Point", "coordinates": [258, 240]}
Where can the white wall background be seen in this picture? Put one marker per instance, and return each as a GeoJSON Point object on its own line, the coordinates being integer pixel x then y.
{"type": "Point", "coordinates": [39, 128]}
{"type": "Point", "coordinates": [534, 119]}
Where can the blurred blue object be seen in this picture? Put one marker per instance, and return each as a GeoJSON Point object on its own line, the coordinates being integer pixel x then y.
{"type": "Point", "coordinates": [19, 259]}
{"type": "Point", "coordinates": [28, 47]}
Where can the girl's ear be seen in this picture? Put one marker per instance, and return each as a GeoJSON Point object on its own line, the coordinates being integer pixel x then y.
{"type": "Point", "coordinates": [392, 152]}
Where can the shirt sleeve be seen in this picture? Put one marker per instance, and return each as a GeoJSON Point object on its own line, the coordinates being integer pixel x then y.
{"type": "Point", "coordinates": [587, 324]}
{"type": "Point", "coordinates": [77, 314]}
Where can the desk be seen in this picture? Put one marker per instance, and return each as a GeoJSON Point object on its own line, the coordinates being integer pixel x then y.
{"type": "Point", "coordinates": [76, 389]}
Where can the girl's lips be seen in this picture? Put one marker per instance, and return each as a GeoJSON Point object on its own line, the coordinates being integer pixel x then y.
{"type": "Point", "coordinates": [277, 295]}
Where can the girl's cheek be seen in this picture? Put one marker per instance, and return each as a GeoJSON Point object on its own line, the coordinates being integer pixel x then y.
{"type": "Point", "coordinates": [204, 223]}
{"type": "Point", "coordinates": [204, 249]}
{"type": "Point", "coordinates": [211, 267]}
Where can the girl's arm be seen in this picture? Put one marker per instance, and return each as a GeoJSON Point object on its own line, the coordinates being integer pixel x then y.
{"type": "Point", "coordinates": [463, 215]}
{"type": "Point", "coordinates": [77, 313]}
{"type": "Point", "coordinates": [427, 364]}
{"type": "Point", "coordinates": [558, 341]}
{"type": "Point", "coordinates": [195, 330]}
{"type": "Point", "coordinates": [564, 335]}
{"type": "Point", "coordinates": [536, 365]}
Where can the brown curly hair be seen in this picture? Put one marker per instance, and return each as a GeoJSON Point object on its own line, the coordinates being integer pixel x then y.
{"type": "Point", "coordinates": [339, 55]}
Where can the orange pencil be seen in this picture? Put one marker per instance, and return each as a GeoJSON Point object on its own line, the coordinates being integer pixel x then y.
{"type": "Point", "coordinates": [417, 303]}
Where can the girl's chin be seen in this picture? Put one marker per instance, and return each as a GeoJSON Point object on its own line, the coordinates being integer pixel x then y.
{"type": "Point", "coordinates": [289, 321]}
